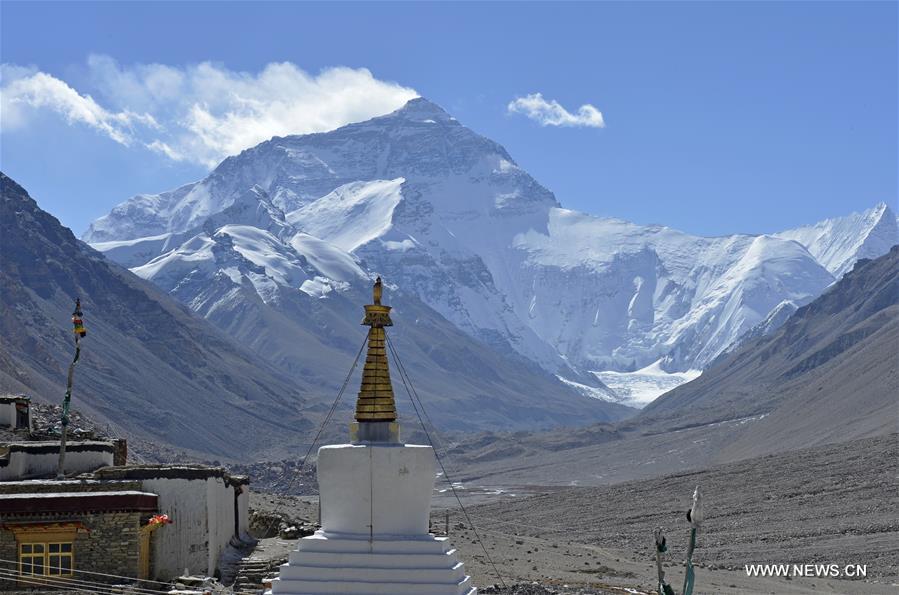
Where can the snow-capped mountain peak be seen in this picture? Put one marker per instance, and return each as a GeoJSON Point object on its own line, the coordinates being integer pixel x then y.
{"type": "Point", "coordinates": [421, 110]}
{"type": "Point", "coordinates": [837, 243]}
{"type": "Point", "coordinates": [447, 215]}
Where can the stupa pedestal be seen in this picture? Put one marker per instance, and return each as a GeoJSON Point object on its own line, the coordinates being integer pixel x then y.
{"type": "Point", "coordinates": [375, 504]}
{"type": "Point", "coordinates": [375, 496]}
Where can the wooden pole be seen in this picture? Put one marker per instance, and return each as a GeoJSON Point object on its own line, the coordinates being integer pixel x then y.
{"type": "Point", "coordinates": [60, 470]}
{"type": "Point", "coordinates": [79, 334]}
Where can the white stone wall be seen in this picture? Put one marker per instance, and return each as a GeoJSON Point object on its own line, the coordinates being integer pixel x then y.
{"type": "Point", "coordinates": [220, 504]}
{"type": "Point", "coordinates": [243, 510]}
{"type": "Point", "coordinates": [182, 544]}
{"type": "Point", "coordinates": [8, 415]}
{"type": "Point", "coordinates": [24, 464]}
{"type": "Point", "coordinates": [378, 489]}
{"type": "Point", "coordinates": [202, 511]}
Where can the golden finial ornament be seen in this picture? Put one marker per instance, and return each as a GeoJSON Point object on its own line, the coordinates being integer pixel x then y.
{"type": "Point", "coordinates": [375, 402]}
{"type": "Point", "coordinates": [376, 292]}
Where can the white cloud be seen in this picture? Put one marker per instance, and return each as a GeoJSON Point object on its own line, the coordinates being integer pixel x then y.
{"type": "Point", "coordinates": [202, 112]}
{"type": "Point", "coordinates": [23, 90]}
{"type": "Point", "coordinates": [551, 113]}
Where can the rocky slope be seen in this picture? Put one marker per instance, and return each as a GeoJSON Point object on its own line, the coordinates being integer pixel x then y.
{"type": "Point", "coordinates": [148, 366]}
{"type": "Point", "coordinates": [830, 504]}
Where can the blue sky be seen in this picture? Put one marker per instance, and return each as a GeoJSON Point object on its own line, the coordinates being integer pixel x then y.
{"type": "Point", "coordinates": [719, 117]}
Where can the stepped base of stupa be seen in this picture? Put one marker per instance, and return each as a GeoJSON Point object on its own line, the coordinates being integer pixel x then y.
{"type": "Point", "coordinates": [352, 563]}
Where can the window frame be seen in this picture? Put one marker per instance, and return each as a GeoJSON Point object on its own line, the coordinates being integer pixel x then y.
{"type": "Point", "coordinates": [49, 570]}
{"type": "Point", "coordinates": [44, 535]}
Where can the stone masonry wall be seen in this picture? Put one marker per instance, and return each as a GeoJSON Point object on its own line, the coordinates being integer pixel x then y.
{"type": "Point", "coordinates": [111, 546]}
{"type": "Point", "coordinates": [8, 551]}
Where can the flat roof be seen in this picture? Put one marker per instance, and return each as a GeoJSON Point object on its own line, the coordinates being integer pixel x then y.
{"type": "Point", "coordinates": [169, 471]}
{"type": "Point", "coordinates": [14, 398]}
{"type": "Point", "coordinates": [55, 443]}
{"type": "Point", "coordinates": [47, 446]}
{"type": "Point", "coordinates": [75, 502]}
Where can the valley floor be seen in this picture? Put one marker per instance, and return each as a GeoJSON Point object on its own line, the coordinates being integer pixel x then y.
{"type": "Point", "coordinates": [832, 504]}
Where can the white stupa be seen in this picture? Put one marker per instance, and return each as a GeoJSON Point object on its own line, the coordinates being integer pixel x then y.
{"type": "Point", "coordinates": [375, 498]}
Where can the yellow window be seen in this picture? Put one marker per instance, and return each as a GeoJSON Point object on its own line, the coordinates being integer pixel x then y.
{"type": "Point", "coordinates": [46, 559]}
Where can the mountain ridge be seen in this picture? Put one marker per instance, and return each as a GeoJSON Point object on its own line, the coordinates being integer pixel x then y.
{"type": "Point", "coordinates": [828, 373]}
{"type": "Point", "coordinates": [489, 248]}
{"type": "Point", "coordinates": [158, 360]}
{"type": "Point", "coordinates": [838, 251]}
{"type": "Point", "coordinates": [148, 365]}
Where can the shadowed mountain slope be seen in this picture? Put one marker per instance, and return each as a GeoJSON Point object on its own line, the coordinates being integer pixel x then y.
{"type": "Point", "coordinates": [148, 365]}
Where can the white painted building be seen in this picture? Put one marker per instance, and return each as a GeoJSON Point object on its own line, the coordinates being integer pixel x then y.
{"type": "Point", "coordinates": [27, 460]}
{"type": "Point", "coordinates": [15, 412]}
{"type": "Point", "coordinates": [209, 509]}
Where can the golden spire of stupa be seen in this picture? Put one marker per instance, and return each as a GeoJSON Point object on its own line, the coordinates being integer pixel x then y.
{"type": "Point", "coordinates": [375, 402]}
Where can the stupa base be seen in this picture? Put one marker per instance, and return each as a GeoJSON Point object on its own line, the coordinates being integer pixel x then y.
{"type": "Point", "coordinates": [356, 564]}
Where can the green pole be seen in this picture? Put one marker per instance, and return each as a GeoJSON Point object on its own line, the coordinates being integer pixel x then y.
{"type": "Point", "coordinates": [688, 575]}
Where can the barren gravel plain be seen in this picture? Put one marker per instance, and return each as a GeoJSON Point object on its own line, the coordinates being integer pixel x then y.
{"type": "Point", "coordinates": [833, 504]}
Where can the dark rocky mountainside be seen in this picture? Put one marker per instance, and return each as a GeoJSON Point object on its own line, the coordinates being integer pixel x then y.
{"type": "Point", "coordinates": [148, 365]}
